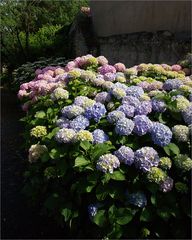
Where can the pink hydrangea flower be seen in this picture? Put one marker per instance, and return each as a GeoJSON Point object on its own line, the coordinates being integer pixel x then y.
{"type": "Point", "coordinates": [102, 60]}
{"type": "Point", "coordinates": [176, 67]}
{"type": "Point", "coordinates": [106, 69]}
{"type": "Point", "coordinates": [120, 67]}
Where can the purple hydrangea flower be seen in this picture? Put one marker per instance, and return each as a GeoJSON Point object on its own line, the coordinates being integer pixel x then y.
{"type": "Point", "coordinates": [107, 163]}
{"type": "Point", "coordinates": [120, 85]}
{"type": "Point", "coordinates": [103, 97]}
{"type": "Point", "coordinates": [110, 76]}
{"type": "Point", "coordinates": [106, 69]}
{"type": "Point", "coordinates": [142, 124]}
{"type": "Point", "coordinates": [65, 135]}
{"type": "Point", "coordinates": [161, 134]}
{"type": "Point", "coordinates": [190, 97]}
{"type": "Point", "coordinates": [114, 116]}
{"type": "Point", "coordinates": [167, 185]}
{"type": "Point", "coordinates": [72, 111]}
{"type": "Point", "coordinates": [144, 108]}
{"type": "Point", "coordinates": [80, 122]}
{"type": "Point", "coordinates": [158, 105]}
{"type": "Point", "coordinates": [97, 111]}
{"type": "Point", "coordinates": [134, 91]}
{"type": "Point", "coordinates": [92, 210]}
{"type": "Point", "coordinates": [80, 100]}
{"type": "Point", "coordinates": [144, 84]}
{"type": "Point", "coordinates": [171, 84]}
{"type": "Point", "coordinates": [146, 158]}
{"type": "Point", "coordinates": [187, 115]}
{"type": "Point", "coordinates": [129, 100]}
{"type": "Point", "coordinates": [125, 154]}
{"type": "Point", "coordinates": [124, 126]}
{"type": "Point", "coordinates": [127, 109]}
{"type": "Point", "coordinates": [63, 123]}
{"type": "Point", "coordinates": [99, 136]}
{"type": "Point", "coordinates": [138, 199]}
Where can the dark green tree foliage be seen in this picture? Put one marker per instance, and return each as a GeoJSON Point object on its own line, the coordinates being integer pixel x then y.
{"type": "Point", "coordinates": [28, 28]}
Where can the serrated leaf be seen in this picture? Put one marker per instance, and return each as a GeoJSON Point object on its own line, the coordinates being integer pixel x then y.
{"type": "Point", "coordinates": [100, 149]}
{"type": "Point", "coordinates": [40, 114]}
{"type": "Point", "coordinates": [66, 212]}
{"type": "Point", "coordinates": [99, 218]}
{"type": "Point", "coordinates": [117, 175]}
{"type": "Point", "coordinates": [146, 215]}
{"type": "Point", "coordinates": [85, 145]}
{"type": "Point", "coordinates": [101, 192]}
{"type": "Point", "coordinates": [54, 154]}
{"type": "Point", "coordinates": [123, 216]}
{"type": "Point", "coordinates": [81, 161]}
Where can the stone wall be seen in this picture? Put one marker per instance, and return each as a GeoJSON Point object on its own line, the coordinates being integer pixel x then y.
{"type": "Point", "coordinates": [131, 48]}
{"type": "Point", "coordinates": [121, 17]}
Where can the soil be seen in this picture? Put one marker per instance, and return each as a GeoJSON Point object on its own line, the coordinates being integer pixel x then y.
{"type": "Point", "coordinates": [18, 219]}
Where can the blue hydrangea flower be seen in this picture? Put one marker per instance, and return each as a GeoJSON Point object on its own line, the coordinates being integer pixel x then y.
{"type": "Point", "coordinates": [107, 163]}
{"type": "Point", "coordinates": [114, 116]}
{"type": "Point", "coordinates": [171, 84]}
{"type": "Point", "coordinates": [65, 135]}
{"type": "Point", "coordinates": [166, 185]}
{"type": "Point", "coordinates": [125, 154]}
{"type": "Point", "coordinates": [146, 158]}
{"type": "Point", "coordinates": [144, 108]}
{"type": "Point", "coordinates": [190, 97]}
{"type": "Point", "coordinates": [96, 112]}
{"type": "Point", "coordinates": [124, 126]}
{"type": "Point", "coordinates": [127, 109]}
{"type": "Point", "coordinates": [110, 77]}
{"type": "Point", "coordinates": [92, 210]}
{"type": "Point", "coordinates": [120, 85]}
{"type": "Point", "coordinates": [119, 93]}
{"type": "Point", "coordinates": [129, 100]}
{"type": "Point", "coordinates": [142, 124]}
{"type": "Point", "coordinates": [72, 111]}
{"type": "Point", "coordinates": [138, 199]}
{"type": "Point", "coordinates": [99, 136]}
{"type": "Point", "coordinates": [103, 97]}
{"type": "Point", "coordinates": [80, 122]}
{"type": "Point", "coordinates": [187, 115]}
{"type": "Point", "coordinates": [158, 105]}
{"type": "Point", "coordinates": [161, 134]}
{"type": "Point", "coordinates": [134, 91]}
{"type": "Point", "coordinates": [63, 123]}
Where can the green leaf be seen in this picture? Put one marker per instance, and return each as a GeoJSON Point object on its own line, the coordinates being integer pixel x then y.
{"type": "Point", "coordinates": [123, 216]}
{"type": "Point", "coordinates": [101, 192]}
{"type": "Point", "coordinates": [99, 218]}
{"type": "Point", "coordinates": [117, 175]}
{"type": "Point", "coordinates": [146, 215]}
{"type": "Point", "coordinates": [171, 148]}
{"type": "Point", "coordinates": [45, 157]}
{"type": "Point", "coordinates": [54, 154]}
{"type": "Point", "coordinates": [81, 161]}
{"type": "Point", "coordinates": [85, 145]}
{"type": "Point", "coordinates": [40, 114]}
{"type": "Point", "coordinates": [100, 149]}
{"type": "Point", "coordinates": [66, 212]}
{"type": "Point", "coordinates": [164, 213]}
{"type": "Point", "coordinates": [153, 199]}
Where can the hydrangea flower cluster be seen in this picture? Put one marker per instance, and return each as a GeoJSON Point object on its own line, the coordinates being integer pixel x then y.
{"type": "Point", "coordinates": [107, 163]}
{"type": "Point", "coordinates": [39, 131]}
{"type": "Point", "coordinates": [128, 116]}
{"type": "Point", "coordinates": [36, 151]}
{"type": "Point", "coordinates": [138, 199]}
{"type": "Point", "coordinates": [161, 134]}
{"type": "Point", "coordinates": [125, 154]}
{"type": "Point", "coordinates": [146, 158]}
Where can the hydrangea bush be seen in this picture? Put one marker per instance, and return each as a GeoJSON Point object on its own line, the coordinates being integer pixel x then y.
{"type": "Point", "coordinates": [110, 147]}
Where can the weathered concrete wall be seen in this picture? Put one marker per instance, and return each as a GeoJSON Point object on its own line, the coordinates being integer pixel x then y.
{"type": "Point", "coordinates": [130, 48]}
{"type": "Point", "coordinates": [122, 17]}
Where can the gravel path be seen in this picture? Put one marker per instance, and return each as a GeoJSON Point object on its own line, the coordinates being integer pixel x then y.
{"type": "Point", "coordinates": [18, 220]}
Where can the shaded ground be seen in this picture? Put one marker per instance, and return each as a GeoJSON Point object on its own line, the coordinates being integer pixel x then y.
{"type": "Point", "coordinates": [18, 220]}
